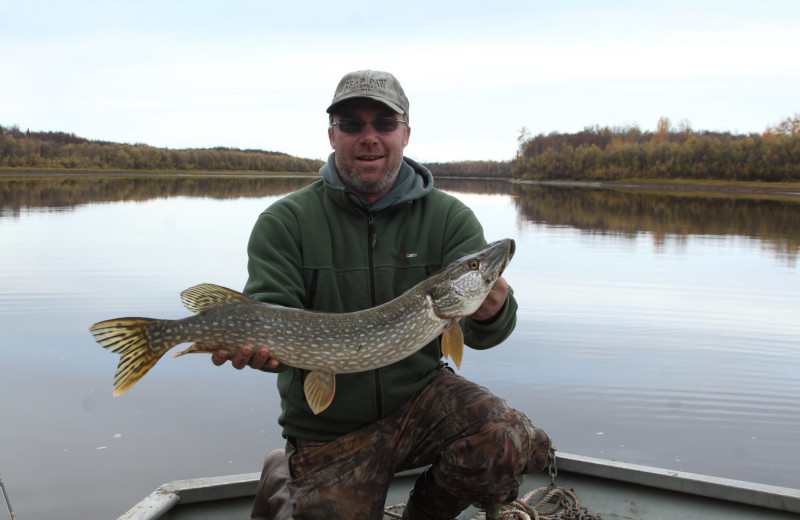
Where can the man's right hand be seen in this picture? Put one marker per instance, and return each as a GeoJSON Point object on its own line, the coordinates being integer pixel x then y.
{"type": "Point", "coordinates": [246, 357]}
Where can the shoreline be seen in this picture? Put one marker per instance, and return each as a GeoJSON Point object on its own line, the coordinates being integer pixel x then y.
{"type": "Point", "coordinates": [727, 187]}
{"type": "Point", "coordinates": [788, 189]}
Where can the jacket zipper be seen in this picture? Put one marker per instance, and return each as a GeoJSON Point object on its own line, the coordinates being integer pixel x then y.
{"type": "Point", "coordinates": [372, 240]}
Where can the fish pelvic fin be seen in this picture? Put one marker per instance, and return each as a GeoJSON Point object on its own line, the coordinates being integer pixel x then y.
{"type": "Point", "coordinates": [206, 296]}
{"type": "Point", "coordinates": [196, 348]}
{"type": "Point", "coordinates": [128, 338]}
{"type": "Point", "coordinates": [453, 343]}
{"type": "Point", "coordinates": [319, 388]}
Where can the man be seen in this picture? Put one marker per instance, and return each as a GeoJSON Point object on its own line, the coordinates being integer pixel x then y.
{"type": "Point", "coordinates": [371, 228]}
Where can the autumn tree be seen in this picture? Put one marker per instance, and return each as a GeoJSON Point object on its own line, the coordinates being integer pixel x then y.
{"type": "Point", "coordinates": [789, 126]}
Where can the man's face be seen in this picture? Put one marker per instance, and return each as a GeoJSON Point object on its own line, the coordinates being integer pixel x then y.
{"type": "Point", "coordinates": [368, 161]}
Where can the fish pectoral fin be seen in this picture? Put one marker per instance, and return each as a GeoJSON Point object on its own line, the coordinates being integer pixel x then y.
{"type": "Point", "coordinates": [196, 348]}
{"type": "Point", "coordinates": [453, 343]}
{"type": "Point", "coordinates": [319, 388]}
{"type": "Point", "coordinates": [206, 296]}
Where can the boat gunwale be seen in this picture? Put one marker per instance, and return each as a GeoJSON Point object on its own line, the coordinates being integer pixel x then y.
{"type": "Point", "coordinates": [189, 491]}
{"type": "Point", "coordinates": [750, 493]}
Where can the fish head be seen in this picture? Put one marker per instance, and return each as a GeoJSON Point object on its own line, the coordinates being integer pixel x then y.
{"type": "Point", "coordinates": [460, 289]}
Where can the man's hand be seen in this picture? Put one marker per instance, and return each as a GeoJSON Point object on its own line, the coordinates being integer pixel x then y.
{"type": "Point", "coordinates": [246, 357]}
{"type": "Point", "coordinates": [494, 301]}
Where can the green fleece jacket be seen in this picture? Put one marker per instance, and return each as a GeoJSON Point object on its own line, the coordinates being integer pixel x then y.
{"type": "Point", "coordinates": [322, 248]}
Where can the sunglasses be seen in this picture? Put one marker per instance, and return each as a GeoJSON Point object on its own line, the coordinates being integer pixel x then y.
{"type": "Point", "coordinates": [382, 124]}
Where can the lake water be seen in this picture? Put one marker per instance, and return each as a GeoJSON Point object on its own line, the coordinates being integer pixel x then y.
{"type": "Point", "coordinates": [654, 328]}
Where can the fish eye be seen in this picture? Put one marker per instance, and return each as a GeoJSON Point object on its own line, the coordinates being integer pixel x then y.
{"type": "Point", "coordinates": [474, 264]}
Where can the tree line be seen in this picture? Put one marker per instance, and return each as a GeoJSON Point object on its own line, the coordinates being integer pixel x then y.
{"type": "Point", "coordinates": [60, 150]}
{"type": "Point", "coordinates": [483, 169]}
{"type": "Point", "coordinates": [604, 153]}
{"type": "Point", "coordinates": [593, 154]}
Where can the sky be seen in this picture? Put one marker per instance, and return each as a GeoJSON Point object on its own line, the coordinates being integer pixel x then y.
{"type": "Point", "coordinates": [259, 74]}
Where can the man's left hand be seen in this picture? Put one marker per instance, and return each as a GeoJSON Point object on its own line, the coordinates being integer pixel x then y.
{"type": "Point", "coordinates": [494, 301]}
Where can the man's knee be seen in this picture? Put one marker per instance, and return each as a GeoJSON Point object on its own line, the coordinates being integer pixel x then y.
{"type": "Point", "coordinates": [491, 463]}
{"type": "Point", "coordinates": [519, 447]}
{"type": "Point", "coordinates": [539, 446]}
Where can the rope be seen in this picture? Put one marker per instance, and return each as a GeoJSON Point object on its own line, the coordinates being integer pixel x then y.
{"type": "Point", "coordinates": [388, 512]}
{"type": "Point", "coordinates": [555, 503]}
{"type": "Point", "coordinates": [547, 503]}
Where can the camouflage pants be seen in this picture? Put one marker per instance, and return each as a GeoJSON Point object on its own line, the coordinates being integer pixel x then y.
{"type": "Point", "coordinates": [478, 447]}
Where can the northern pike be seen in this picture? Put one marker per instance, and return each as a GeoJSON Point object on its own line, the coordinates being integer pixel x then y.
{"type": "Point", "coordinates": [324, 343]}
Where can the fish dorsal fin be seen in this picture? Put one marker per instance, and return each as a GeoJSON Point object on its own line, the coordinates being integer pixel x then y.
{"type": "Point", "coordinates": [319, 388]}
{"type": "Point", "coordinates": [453, 343]}
{"type": "Point", "coordinates": [205, 296]}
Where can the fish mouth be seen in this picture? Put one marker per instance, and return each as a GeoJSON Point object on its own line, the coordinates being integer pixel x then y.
{"type": "Point", "coordinates": [498, 254]}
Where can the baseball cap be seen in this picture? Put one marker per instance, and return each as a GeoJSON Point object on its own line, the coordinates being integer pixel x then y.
{"type": "Point", "coordinates": [371, 84]}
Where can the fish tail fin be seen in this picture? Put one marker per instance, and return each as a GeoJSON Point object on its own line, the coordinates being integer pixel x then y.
{"type": "Point", "coordinates": [453, 343]}
{"type": "Point", "coordinates": [128, 338]}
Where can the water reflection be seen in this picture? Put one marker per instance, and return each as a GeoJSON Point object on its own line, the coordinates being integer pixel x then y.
{"type": "Point", "coordinates": [630, 212]}
{"type": "Point", "coordinates": [626, 212]}
{"type": "Point", "coordinates": [63, 192]}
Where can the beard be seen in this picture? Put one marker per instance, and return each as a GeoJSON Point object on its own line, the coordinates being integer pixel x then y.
{"type": "Point", "coordinates": [366, 181]}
